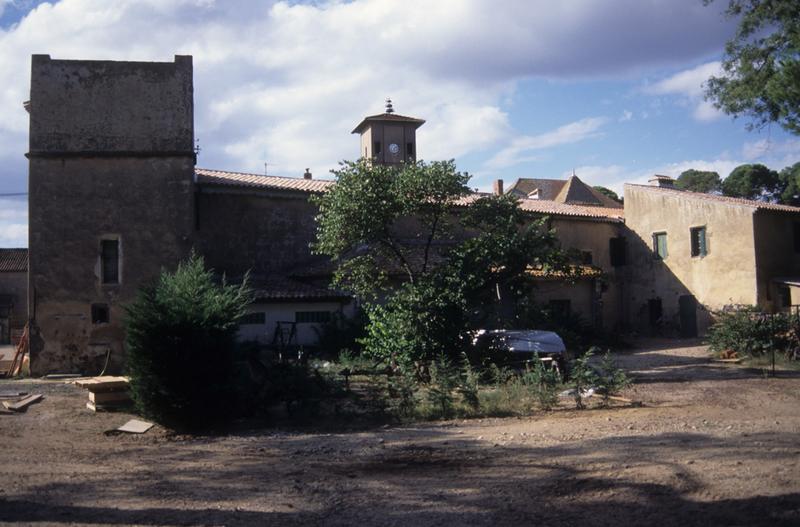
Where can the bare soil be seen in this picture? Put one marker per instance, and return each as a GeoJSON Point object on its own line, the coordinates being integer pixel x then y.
{"type": "Point", "coordinates": [713, 444]}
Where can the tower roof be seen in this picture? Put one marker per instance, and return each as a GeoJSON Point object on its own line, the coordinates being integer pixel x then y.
{"type": "Point", "coordinates": [387, 117]}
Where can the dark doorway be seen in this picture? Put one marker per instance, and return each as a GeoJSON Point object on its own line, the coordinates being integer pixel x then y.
{"type": "Point", "coordinates": [687, 305]}
{"type": "Point", "coordinates": [655, 310]}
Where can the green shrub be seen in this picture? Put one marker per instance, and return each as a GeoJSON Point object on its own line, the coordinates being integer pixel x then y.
{"type": "Point", "coordinates": [543, 384]}
{"type": "Point", "coordinates": [611, 380]}
{"type": "Point", "coordinates": [469, 385]}
{"type": "Point", "coordinates": [583, 376]}
{"type": "Point", "coordinates": [341, 333]}
{"type": "Point", "coordinates": [181, 334]}
{"type": "Point", "coordinates": [444, 379]}
{"type": "Point", "coordinates": [749, 332]}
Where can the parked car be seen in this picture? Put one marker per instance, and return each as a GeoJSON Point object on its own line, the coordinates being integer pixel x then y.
{"type": "Point", "coordinates": [522, 346]}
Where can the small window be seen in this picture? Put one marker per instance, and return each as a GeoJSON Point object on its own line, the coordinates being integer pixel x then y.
{"type": "Point", "coordinates": [100, 314]}
{"type": "Point", "coordinates": [617, 249]}
{"type": "Point", "coordinates": [785, 295]}
{"type": "Point", "coordinates": [586, 257]}
{"type": "Point", "coordinates": [312, 317]}
{"type": "Point", "coordinates": [376, 148]}
{"type": "Point", "coordinates": [698, 237]}
{"type": "Point", "coordinates": [253, 319]}
{"type": "Point", "coordinates": [797, 237]}
{"type": "Point", "coordinates": [409, 149]}
{"type": "Point", "coordinates": [109, 256]}
{"type": "Point", "coordinates": [660, 245]}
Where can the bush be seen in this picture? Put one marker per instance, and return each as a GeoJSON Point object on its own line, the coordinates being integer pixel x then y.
{"type": "Point", "coordinates": [749, 332]}
{"type": "Point", "coordinates": [543, 384]}
{"type": "Point", "coordinates": [583, 377]}
{"type": "Point", "coordinates": [340, 334]}
{"type": "Point", "coordinates": [611, 379]}
{"type": "Point", "coordinates": [181, 335]}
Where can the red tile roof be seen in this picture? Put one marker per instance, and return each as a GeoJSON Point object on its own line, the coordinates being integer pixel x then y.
{"type": "Point", "coordinates": [554, 208]}
{"type": "Point", "coordinates": [757, 205]}
{"type": "Point", "coordinates": [242, 179]}
{"type": "Point", "coordinates": [13, 260]}
{"type": "Point", "coordinates": [281, 288]}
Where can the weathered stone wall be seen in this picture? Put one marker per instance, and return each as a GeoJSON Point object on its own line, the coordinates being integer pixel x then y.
{"type": "Point", "coordinates": [725, 275]}
{"type": "Point", "coordinates": [110, 156]}
{"type": "Point", "coordinates": [261, 232]}
{"type": "Point", "coordinates": [15, 285]}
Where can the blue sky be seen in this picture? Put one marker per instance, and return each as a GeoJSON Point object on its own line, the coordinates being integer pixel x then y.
{"type": "Point", "coordinates": [533, 88]}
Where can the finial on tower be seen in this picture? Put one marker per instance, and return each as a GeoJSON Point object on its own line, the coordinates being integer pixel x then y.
{"type": "Point", "coordinates": [389, 108]}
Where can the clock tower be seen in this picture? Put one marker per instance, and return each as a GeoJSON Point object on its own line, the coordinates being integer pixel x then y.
{"type": "Point", "coordinates": [389, 138]}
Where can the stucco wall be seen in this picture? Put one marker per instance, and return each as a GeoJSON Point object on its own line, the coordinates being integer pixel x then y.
{"type": "Point", "coordinates": [110, 156]}
{"type": "Point", "coordinates": [725, 275]}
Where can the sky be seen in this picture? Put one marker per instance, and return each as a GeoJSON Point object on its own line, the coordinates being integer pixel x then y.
{"type": "Point", "coordinates": [611, 90]}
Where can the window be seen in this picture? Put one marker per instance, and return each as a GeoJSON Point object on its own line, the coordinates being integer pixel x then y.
{"type": "Point", "coordinates": [253, 319]}
{"type": "Point", "coordinates": [109, 260]}
{"type": "Point", "coordinates": [616, 248]}
{"type": "Point", "coordinates": [376, 148]}
{"type": "Point", "coordinates": [409, 149]}
{"type": "Point", "coordinates": [698, 237]}
{"type": "Point", "coordinates": [100, 314]}
{"type": "Point", "coordinates": [312, 317]}
{"type": "Point", "coordinates": [797, 237]}
{"type": "Point", "coordinates": [660, 245]}
{"type": "Point", "coordinates": [786, 296]}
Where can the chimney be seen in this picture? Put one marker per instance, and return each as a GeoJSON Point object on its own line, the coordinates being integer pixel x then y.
{"type": "Point", "coordinates": [307, 174]}
{"type": "Point", "coordinates": [662, 181]}
{"type": "Point", "coordinates": [498, 187]}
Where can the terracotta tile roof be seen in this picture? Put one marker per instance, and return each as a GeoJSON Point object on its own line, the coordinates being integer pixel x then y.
{"type": "Point", "coordinates": [242, 179]}
{"type": "Point", "coordinates": [13, 260]}
{"type": "Point", "coordinates": [756, 205]}
{"type": "Point", "coordinates": [282, 288]}
{"type": "Point", "coordinates": [548, 188]}
{"type": "Point", "coordinates": [554, 208]}
{"type": "Point", "coordinates": [578, 271]}
{"type": "Point", "coordinates": [394, 117]}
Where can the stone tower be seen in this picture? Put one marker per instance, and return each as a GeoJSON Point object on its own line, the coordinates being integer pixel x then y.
{"type": "Point", "coordinates": [111, 184]}
{"type": "Point", "coordinates": [389, 138]}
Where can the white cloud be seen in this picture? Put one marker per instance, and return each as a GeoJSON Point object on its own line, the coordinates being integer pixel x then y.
{"type": "Point", "coordinates": [522, 148]}
{"type": "Point", "coordinates": [777, 150]}
{"type": "Point", "coordinates": [689, 85]}
{"type": "Point", "coordinates": [284, 82]}
{"type": "Point", "coordinates": [13, 234]}
{"type": "Point", "coordinates": [627, 115]}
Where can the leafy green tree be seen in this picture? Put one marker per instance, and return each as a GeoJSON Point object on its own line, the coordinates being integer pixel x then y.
{"type": "Point", "coordinates": [752, 182]}
{"type": "Point", "coordinates": [790, 185]}
{"type": "Point", "coordinates": [761, 65]}
{"type": "Point", "coordinates": [608, 192]}
{"type": "Point", "coordinates": [365, 220]}
{"type": "Point", "coordinates": [181, 334]}
{"type": "Point", "coordinates": [698, 181]}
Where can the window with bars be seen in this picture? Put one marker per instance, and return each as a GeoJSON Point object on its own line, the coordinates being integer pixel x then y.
{"type": "Point", "coordinates": [109, 261]}
{"type": "Point", "coordinates": [698, 240]}
{"type": "Point", "coordinates": [660, 245]}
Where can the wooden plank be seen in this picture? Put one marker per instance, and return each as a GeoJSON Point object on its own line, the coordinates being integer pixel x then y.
{"type": "Point", "coordinates": [107, 406]}
{"type": "Point", "coordinates": [105, 383]}
{"type": "Point", "coordinates": [731, 361]}
{"type": "Point", "coordinates": [22, 403]}
{"type": "Point", "coordinates": [62, 376]}
{"type": "Point", "coordinates": [109, 397]}
{"type": "Point", "coordinates": [12, 395]}
{"type": "Point", "coordinates": [135, 426]}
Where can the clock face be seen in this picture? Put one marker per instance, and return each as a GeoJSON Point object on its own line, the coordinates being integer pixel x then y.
{"type": "Point", "coordinates": [394, 149]}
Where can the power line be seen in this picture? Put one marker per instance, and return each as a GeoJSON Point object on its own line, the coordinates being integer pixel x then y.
{"type": "Point", "coordinates": [10, 194]}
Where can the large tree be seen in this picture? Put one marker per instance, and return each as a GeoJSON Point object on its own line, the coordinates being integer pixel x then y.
{"type": "Point", "coordinates": [790, 185]}
{"type": "Point", "coordinates": [752, 182]}
{"type": "Point", "coordinates": [608, 192]}
{"type": "Point", "coordinates": [761, 65]}
{"type": "Point", "coordinates": [458, 260]}
{"type": "Point", "coordinates": [698, 181]}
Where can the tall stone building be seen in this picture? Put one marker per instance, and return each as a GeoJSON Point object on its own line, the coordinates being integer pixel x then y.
{"type": "Point", "coordinates": [111, 185]}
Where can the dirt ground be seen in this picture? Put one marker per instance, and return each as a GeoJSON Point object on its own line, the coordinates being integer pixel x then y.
{"type": "Point", "coordinates": [713, 445]}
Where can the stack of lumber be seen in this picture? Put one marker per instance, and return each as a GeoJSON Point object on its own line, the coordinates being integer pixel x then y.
{"type": "Point", "coordinates": [19, 401]}
{"type": "Point", "coordinates": [106, 392]}
{"type": "Point", "coordinates": [14, 367]}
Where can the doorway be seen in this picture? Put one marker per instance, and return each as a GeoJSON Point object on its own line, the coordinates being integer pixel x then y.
{"type": "Point", "coordinates": [687, 307]}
